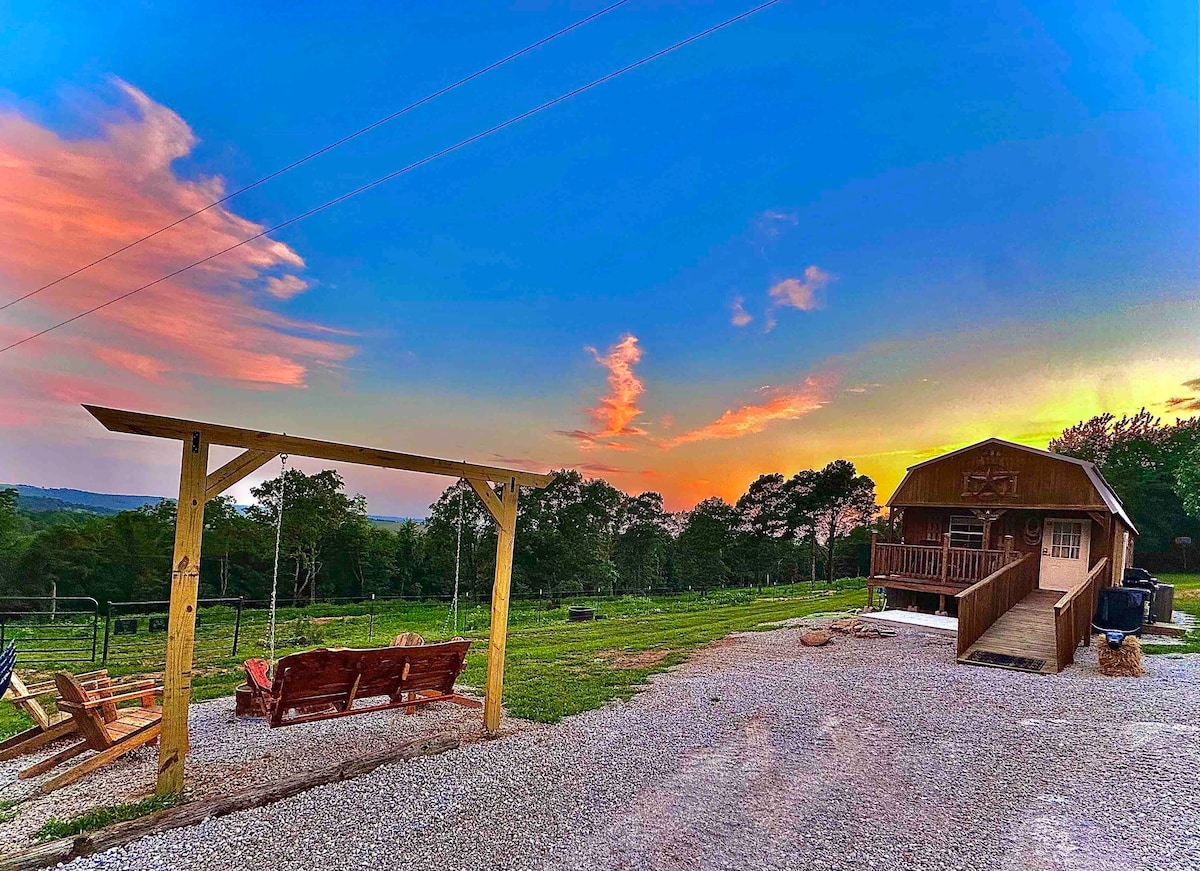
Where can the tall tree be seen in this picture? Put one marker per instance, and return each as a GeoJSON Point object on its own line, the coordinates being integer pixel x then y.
{"type": "Point", "coordinates": [844, 500]}
{"type": "Point", "coordinates": [314, 510]}
{"type": "Point", "coordinates": [705, 543]}
{"type": "Point", "coordinates": [643, 541]}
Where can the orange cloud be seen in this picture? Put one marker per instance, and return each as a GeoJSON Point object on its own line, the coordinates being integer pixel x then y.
{"type": "Point", "coordinates": [616, 411]}
{"type": "Point", "coordinates": [750, 419]}
{"type": "Point", "coordinates": [618, 408]}
{"type": "Point", "coordinates": [67, 201]}
{"type": "Point", "coordinates": [799, 293]}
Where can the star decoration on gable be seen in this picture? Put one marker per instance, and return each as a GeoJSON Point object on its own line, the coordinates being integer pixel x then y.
{"type": "Point", "coordinates": [990, 479]}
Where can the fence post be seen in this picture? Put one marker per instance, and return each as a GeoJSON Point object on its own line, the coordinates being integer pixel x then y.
{"type": "Point", "coordinates": [237, 625]}
{"type": "Point", "coordinates": [1008, 549]}
{"type": "Point", "coordinates": [107, 624]}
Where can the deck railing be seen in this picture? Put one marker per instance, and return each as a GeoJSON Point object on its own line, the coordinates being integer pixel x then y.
{"type": "Point", "coordinates": [981, 604]}
{"type": "Point", "coordinates": [937, 563]}
{"type": "Point", "coordinates": [1073, 614]}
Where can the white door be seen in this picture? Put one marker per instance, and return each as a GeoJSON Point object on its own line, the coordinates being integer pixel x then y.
{"type": "Point", "coordinates": [1064, 553]}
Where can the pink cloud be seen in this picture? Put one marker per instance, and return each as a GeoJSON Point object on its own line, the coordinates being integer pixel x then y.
{"type": "Point", "coordinates": [286, 286]}
{"type": "Point", "coordinates": [800, 293]}
{"type": "Point", "coordinates": [745, 420]}
{"type": "Point", "coordinates": [68, 201]}
{"type": "Point", "coordinates": [740, 316]}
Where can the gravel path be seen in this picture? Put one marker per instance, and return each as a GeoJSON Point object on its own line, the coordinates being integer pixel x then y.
{"type": "Point", "coordinates": [759, 753]}
{"type": "Point", "coordinates": [228, 753]}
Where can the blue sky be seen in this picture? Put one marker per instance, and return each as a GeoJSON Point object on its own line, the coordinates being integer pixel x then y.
{"type": "Point", "coordinates": [964, 177]}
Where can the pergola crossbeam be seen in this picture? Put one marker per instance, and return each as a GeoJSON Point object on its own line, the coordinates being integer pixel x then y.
{"type": "Point", "coordinates": [138, 423]}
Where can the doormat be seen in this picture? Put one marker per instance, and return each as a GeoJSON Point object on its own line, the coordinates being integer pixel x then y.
{"type": "Point", "coordinates": [986, 657]}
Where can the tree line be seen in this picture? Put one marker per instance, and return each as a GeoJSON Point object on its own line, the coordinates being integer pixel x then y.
{"type": "Point", "coordinates": [576, 536]}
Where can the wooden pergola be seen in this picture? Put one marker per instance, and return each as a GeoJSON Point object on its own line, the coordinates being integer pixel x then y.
{"type": "Point", "coordinates": [197, 485]}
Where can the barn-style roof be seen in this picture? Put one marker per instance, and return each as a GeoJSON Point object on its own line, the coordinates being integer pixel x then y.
{"type": "Point", "coordinates": [901, 497]}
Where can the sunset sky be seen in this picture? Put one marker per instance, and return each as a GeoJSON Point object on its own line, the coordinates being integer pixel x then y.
{"type": "Point", "coordinates": [876, 231]}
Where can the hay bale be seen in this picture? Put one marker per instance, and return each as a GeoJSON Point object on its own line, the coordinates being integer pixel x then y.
{"type": "Point", "coordinates": [815, 638]}
{"type": "Point", "coordinates": [1124, 661]}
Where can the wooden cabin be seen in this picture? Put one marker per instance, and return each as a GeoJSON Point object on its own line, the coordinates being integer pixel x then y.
{"type": "Point", "coordinates": [1012, 540]}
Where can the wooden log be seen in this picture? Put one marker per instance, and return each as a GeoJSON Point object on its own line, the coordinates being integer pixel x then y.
{"type": "Point", "coordinates": [195, 812]}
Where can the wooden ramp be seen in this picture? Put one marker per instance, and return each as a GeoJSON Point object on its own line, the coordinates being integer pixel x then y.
{"type": "Point", "coordinates": [1022, 638]}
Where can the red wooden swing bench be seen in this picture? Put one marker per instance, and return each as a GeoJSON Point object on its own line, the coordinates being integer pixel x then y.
{"type": "Point", "coordinates": [324, 684]}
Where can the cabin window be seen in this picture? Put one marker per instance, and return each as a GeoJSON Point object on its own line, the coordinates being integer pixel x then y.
{"type": "Point", "coordinates": [966, 531]}
{"type": "Point", "coordinates": [1066, 537]}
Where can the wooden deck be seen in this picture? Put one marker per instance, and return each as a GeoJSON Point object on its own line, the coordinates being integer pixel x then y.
{"type": "Point", "coordinates": [1022, 638]}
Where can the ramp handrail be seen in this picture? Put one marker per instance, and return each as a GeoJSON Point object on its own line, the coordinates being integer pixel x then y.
{"type": "Point", "coordinates": [981, 604]}
{"type": "Point", "coordinates": [1073, 614]}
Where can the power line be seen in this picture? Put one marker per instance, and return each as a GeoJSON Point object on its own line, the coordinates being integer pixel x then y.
{"type": "Point", "coordinates": [399, 172]}
{"type": "Point", "coordinates": [392, 117]}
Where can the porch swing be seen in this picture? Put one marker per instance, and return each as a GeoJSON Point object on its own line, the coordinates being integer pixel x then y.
{"type": "Point", "coordinates": [324, 684]}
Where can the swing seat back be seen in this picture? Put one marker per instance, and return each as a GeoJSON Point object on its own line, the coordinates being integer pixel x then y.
{"type": "Point", "coordinates": [323, 684]}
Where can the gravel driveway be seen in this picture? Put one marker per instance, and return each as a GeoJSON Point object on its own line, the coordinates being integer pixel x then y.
{"type": "Point", "coordinates": [759, 753]}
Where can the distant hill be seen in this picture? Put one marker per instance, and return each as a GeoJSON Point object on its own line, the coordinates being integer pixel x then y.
{"type": "Point", "coordinates": [33, 498]}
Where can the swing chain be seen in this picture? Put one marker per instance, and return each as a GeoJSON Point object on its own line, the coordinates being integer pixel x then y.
{"type": "Point", "coordinates": [283, 458]}
{"type": "Point", "coordinates": [453, 614]}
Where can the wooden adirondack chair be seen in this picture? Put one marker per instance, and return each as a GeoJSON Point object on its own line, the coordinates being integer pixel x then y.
{"type": "Point", "coordinates": [110, 738]}
{"type": "Point", "coordinates": [322, 684]}
{"type": "Point", "coordinates": [47, 728]}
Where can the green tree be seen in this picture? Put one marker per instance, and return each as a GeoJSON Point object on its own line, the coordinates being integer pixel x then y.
{"type": "Point", "coordinates": [1142, 459]}
{"type": "Point", "coordinates": [844, 500]}
{"type": "Point", "coordinates": [314, 511]}
{"type": "Point", "coordinates": [705, 542]}
{"type": "Point", "coordinates": [643, 541]}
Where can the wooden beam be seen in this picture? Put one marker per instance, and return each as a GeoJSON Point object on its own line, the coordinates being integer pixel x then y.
{"type": "Point", "coordinates": [137, 423]}
{"type": "Point", "coordinates": [245, 463]}
{"type": "Point", "coordinates": [506, 535]}
{"type": "Point", "coordinates": [488, 496]}
{"type": "Point", "coordinates": [181, 617]}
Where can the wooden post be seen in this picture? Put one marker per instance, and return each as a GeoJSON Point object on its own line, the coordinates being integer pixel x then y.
{"type": "Point", "coordinates": [181, 619]}
{"type": "Point", "coordinates": [945, 556]}
{"type": "Point", "coordinates": [1008, 549]}
{"type": "Point", "coordinates": [506, 535]}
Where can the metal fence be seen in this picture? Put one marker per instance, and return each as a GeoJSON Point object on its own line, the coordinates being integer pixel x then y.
{"type": "Point", "coordinates": [133, 635]}
{"type": "Point", "coordinates": [51, 628]}
{"type": "Point", "coordinates": [137, 631]}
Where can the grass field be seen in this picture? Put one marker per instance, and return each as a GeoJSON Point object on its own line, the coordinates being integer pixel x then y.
{"type": "Point", "coordinates": [553, 668]}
